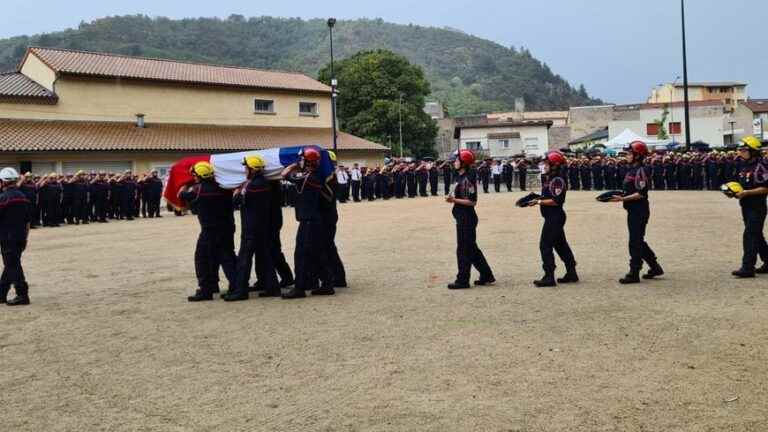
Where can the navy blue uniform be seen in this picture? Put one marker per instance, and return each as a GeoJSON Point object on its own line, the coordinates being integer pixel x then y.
{"type": "Point", "coordinates": [308, 256]}
{"type": "Point", "coordinates": [468, 254]}
{"type": "Point", "coordinates": [638, 214]}
{"type": "Point", "coordinates": [553, 232]}
{"type": "Point", "coordinates": [753, 174]}
{"type": "Point", "coordinates": [215, 244]}
{"type": "Point", "coordinates": [335, 274]}
{"type": "Point", "coordinates": [255, 215]}
{"type": "Point", "coordinates": [15, 215]}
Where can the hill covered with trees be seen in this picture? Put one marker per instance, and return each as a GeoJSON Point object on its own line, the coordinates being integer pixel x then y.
{"type": "Point", "coordinates": [468, 74]}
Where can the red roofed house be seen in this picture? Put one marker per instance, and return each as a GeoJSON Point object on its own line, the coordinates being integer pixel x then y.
{"type": "Point", "coordinates": [65, 110]}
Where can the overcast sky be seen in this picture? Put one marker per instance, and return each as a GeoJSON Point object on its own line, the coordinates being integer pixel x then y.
{"type": "Point", "coordinates": [618, 49]}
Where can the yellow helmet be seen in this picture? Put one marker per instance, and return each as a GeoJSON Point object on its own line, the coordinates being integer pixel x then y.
{"type": "Point", "coordinates": [204, 170]}
{"type": "Point", "coordinates": [751, 142]}
{"type": "Point", "coordinates": [730, 189]}
{"type": "Point", "coordinates": [332, 155]}
{"type": "Point", "coordinates": [254, 162]}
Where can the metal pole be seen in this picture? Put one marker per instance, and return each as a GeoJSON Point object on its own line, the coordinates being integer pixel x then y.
{"type": "Point", "coordinates": [400, 123]}
{"type": "Point", "coordinates": [685, 82]}
{"type": "Point", "coordinates": [331, 23]}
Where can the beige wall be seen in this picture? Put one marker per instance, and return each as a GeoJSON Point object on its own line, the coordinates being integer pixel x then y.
{"type": "Point", "coordinates": [116, 100]}
{"type": "Point", "coordinates": [530, 136]}
{"type": "Point", "coordinates": [366, 158]}
{"type": "Point", "coordinates": [37, 71]}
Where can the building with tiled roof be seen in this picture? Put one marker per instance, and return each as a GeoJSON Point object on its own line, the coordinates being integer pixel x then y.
{"type": "Point", "coordinates": [66, 110]}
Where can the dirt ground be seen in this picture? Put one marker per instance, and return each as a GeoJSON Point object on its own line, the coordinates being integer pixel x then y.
{"type": "Point", "coordinates": [111, 344]}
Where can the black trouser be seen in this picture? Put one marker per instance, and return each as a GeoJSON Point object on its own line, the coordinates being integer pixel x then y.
{"type": "Point", "coordinates": [154, 206]}
{"type": "Point", "coordinates": [356, 190]}
{"type": "Point", "coordinates": [79, 210]}
{"type": "Point", "coordinates": [753, 239]}
{"type": "Point", "coordinates": [639, 251]}
{"type": "Point", "coordinates": [447, 183]}
{"type": "Point", "coordinates": [310, 259]}
{"type": "Point", "coordinates": [423, 187]}
{"type": "Point", "coordinates": [215, 248]}
{"type": "Point", "coordinates": [468, 254]}
{"type": "Point", "coordinates": [522, 179]}
{"type": "Point", "coordinates": [341, 192]}
{"type": "Point", "coordinates": [433, 185]}
{"type": "Point", "coordinates": [497, 183]}
{"type": "Point", "coordinates": [101, 208]}
{"type": "Point", "coordinates": [334, 260]}
{"type": "Point", "coordinates": [553, 238]}
{"type": "Point", "coordinates": [598, 182]}
{"type": "Point", "coordinates": [13, 273]}
{"type": "Point", "coordinates": [508, 182]}
{"type": "Point", "coordinates": [258, 250]}
{"type": "Point", "coordinates": [126, 207]}
{"type": "Point", "coordinates": [278, 258]}
{"type": "Point", "coordinates": [486, 181]}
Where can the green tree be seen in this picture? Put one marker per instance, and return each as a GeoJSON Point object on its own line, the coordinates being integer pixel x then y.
{"type": "Point", "coordinates": [371, 85]}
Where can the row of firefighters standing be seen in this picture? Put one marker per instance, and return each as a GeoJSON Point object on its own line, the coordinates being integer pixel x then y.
{"type": "Point", "coordinates": [317, 265]}
{"type": "Point", "coordinates": [751, 189]}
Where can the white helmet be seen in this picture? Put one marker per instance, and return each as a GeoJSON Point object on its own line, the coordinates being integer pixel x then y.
{"type": "Point", "coordinates": [8, 174]}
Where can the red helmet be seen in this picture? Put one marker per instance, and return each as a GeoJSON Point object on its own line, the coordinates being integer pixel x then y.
{"type": "Point", "coordinates": [466, 157]}
{"type": "Point", "coordinates": [555, 157]}
{"type": "Point", "coordinates": [310, 154]}
{"type": "Point", "coordinates": [638, 148]}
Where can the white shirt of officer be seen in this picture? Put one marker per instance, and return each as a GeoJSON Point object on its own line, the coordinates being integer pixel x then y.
{"type": "Point", "coordinates": [496, 169]}
{"type": "Point", "coordinates": [341, 176]}
{"type": "Point", "coordinates": [355, 174]}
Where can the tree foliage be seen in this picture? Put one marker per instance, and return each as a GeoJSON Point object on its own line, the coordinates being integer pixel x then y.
{"type": "Point", "coordinates": [469, 74]}
{"type": "Point", "coordinates": [371, 84]}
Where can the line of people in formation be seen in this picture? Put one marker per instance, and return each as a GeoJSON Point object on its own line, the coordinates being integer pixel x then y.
{"type": "Point", "coordinates": [82, 198]}
{"type": "Point", "coordinates": [749, 186]}
{"type": "Point", "coordinates": [317, 265]}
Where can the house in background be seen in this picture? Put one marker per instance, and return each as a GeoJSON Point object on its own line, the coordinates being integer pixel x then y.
{"type": "Point", "coordinates": [728, 92]}
{"type": "Point", "coordinates": [66, 110]}
{"type": "Point", "coordinates": [751, 116]}
{"type": "Point", "coordinates": [502, 138]}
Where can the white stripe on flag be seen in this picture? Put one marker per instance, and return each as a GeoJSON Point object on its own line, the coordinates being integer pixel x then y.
{"type": "Point", "coordinates": [230, 172]}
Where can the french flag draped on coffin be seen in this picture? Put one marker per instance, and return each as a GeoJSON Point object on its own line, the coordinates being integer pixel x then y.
{"type": "Point", "coordinates": [229, 170]}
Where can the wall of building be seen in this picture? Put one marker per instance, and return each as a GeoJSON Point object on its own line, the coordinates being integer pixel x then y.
{"type": "Point", "coordinates": [37, 71]}
{"type": "Point", "coordinates": [445, 144]}
{"type": "Point", "coordinates": [536, 138]}
{"type": "Point", "coordinates": [707, 123]}
{"type": "Point", "coordinates": [559, 137]}
{"type": "Point", "coordinates": [585, 120]}
{"type": "Point", "coordinates": [365, 158]}
{"type": "Point", "coordinates": [121, 100]}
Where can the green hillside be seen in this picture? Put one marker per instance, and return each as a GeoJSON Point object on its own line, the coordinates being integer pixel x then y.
{"type": "Point", "coordinates": [468, 74]}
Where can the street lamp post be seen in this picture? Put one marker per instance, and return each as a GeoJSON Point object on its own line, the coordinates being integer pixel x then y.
{"type": "Point", "coordinates": [400, 122]}
{"type": "Point", "coordinates": [685, 81]}
{"type": "Point", "coordinates": [331, 23]}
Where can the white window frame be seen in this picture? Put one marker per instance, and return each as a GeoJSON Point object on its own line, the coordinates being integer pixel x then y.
{"type": "Point", "coordinates": [312, 113]}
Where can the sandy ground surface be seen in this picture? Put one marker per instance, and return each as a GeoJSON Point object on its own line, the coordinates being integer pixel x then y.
{"type": "Point", "coordinates": [110, 343]}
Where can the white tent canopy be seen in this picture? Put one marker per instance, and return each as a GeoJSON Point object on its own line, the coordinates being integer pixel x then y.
{"type": "Point", "coordinates": [623, 139]}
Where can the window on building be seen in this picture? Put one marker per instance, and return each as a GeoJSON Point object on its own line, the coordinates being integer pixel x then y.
{"type": "Point", "coordinates": [264, 106]}
{"type": "Point", "coordinates": [652, 129]}
{"type": "Point", "coordinates": [473, 145]}
{"type": "Point", "coordinates": [504, 143]}
{"type": "Point", "coordinates": [308, 108]}
{"type": "Point", "coordinates": [674, 128]}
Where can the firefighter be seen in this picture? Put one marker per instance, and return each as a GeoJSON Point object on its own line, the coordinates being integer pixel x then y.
{"type": "Point", "coordinates": [330, 217]}
{"type": "Point", "coordinates": [215, 244]}
{"type": "Point", "coordinates": [635, 202]}
{"type": "Point", "coordinates": [753, 178]}
{"type": "Point", "coordinates": [255, 214]}
{"type": "Point", "coordinates": [464, 200]}
{"type": "Point", "coordinates": [15, 218]}
{"type": "Point", "coordinates": [551, 203]}
{"type": "Point", "coordinates": [308, 256]}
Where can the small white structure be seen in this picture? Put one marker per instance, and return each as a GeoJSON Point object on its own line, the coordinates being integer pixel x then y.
{"type": "Point", "coordinates": [502, 139]}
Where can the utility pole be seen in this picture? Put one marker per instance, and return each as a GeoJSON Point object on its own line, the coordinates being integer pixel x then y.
{"type": "Point", "coordinates": [400, 122]}
{"type": "Point", "coordinates": [331, 23]}
{"type": "Point", "coordinates": [685, 82]}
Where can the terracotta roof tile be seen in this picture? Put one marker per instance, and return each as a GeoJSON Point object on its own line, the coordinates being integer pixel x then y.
{"type": "Point", "coordinates": [116, 66]}
{"type": "Point", "coordinates": [756, 105]}
{"type": "Point", "coordinates": [37, 135]}
{"type": "Point", "coordinates": [16, 85]}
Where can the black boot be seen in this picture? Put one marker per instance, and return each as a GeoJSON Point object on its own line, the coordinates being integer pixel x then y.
{"type": "Point", "coordinates": [256, 287]}
{"type": "Point", "coordinates": [3, 295]}
{"type": "Point", "coordinates": [200, 296]}
{"type": "Point", "coordinates": [654, 271]}
{"type": "Point", "coordinates": [340, 284]}
{"type": "Point", "coordinates": [743, 273]}
{"type": "Point", "coordinates": [270, 293]}
{"type": "Point", "coordinates": [286, 281]}
{"type": "Point", "coordinates": [547, 281]}
{"type": "Point", "coordinates": [236, 295]}
{"type": "Point", "coordinates": [485, 280]}
{"type": "Point", "coordinates": [22, 296]}
{"type": "Point", "coordinates": [324, 290]}
{"type": "Point", "coordinates": [762, 269]}
{"type": "Point", "coordinates": [458, 285]}
{"type": "Point", "coordinates": [292, 293]}
{"type": "Point", "coordinates": [632, 277]}
{"type": "Point", "coordinates": [570, 276]}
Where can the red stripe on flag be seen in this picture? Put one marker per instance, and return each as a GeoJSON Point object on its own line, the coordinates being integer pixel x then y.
{"type": "Point", "coordinates": [179, 176]}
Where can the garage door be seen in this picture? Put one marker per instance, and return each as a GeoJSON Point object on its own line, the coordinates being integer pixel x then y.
{"type": "Point", "coordinates": [88, 166]}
